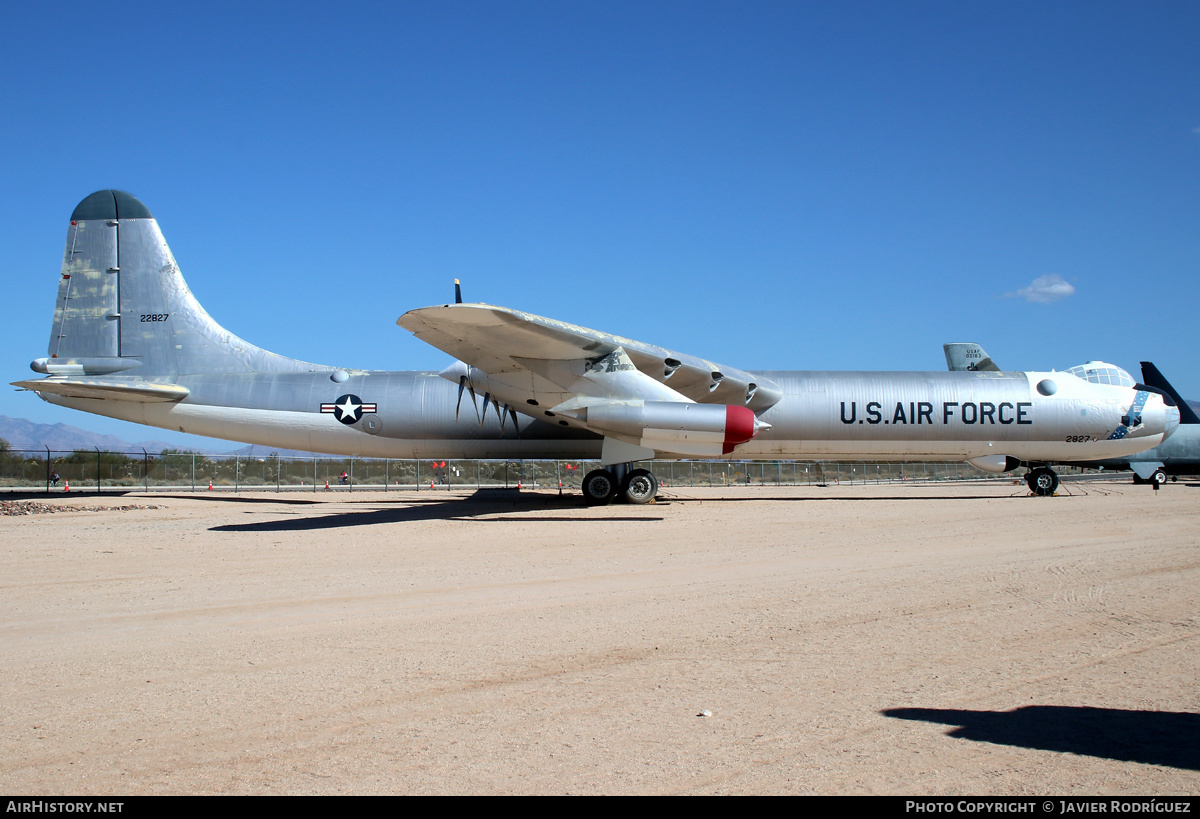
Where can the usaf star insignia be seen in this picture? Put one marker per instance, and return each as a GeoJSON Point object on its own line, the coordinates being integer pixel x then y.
{"type": "Point", "coordinates": [348, 409]}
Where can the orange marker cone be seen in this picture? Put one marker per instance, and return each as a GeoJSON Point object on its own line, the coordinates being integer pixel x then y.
{"type": "Point", "coordinates": [327, 483]}
{"type": "Point", "coordinates": [210, 484]}
{"type": "Point", "coordinates": [66, 486]}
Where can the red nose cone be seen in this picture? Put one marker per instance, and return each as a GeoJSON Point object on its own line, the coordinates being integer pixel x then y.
{"type": "Point", "coordinates": [739, 427]}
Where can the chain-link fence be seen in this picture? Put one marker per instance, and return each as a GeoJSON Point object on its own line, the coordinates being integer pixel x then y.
{"type": "Point", "coordinates": [97, 470]}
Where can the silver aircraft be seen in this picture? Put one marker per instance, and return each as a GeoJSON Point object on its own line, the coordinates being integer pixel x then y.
{"type": "Point", "coordinates": [130, 341]}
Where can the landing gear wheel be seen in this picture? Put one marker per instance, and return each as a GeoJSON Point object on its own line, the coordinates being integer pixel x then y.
{"type": "Point", "coordinates": [640, 486]}
{"type": "Point", "coordinates": [599, 487]}
{"type": "Point", "coordinates": [1159, 477]}
{"type": "Point", "coordinates": [1042, 481]}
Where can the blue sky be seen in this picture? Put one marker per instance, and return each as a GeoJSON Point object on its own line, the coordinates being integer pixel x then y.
{"type": "Point", "coordinates": [792, 185]}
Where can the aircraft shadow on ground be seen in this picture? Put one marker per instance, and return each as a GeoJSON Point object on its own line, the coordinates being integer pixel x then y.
{"type": "Point", "coordinates": [236, 498]}
{"type": "Point", "coordinates": [790, 499]}
{"type": "Point", "coordinates": [485, 505]}
{"type": "Point", "coordinates": [1149, 737]}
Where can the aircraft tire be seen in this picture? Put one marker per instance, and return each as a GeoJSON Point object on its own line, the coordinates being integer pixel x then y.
{"type": "Point", "coordinates": [1042, 481]}
{"type": "Point", "coordinates": [1159, 477]}
{"type": "Point", "coordinates": [599, 487]}
{"type": "Point", "coordinates": [640, 486]}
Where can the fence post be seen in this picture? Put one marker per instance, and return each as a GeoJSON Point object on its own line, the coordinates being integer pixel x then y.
{"type": "Point", "coordinates": [47, 470]}
{"type": "Point", "coordinates": [145, 469]}
{"type": "Point", "coordinates": [97, 470]}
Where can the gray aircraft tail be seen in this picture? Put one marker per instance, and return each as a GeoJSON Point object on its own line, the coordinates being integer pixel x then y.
{"type": "Point", "coordinates": [968, 356]}
{"type": "Point", "coordinates": [1151, 377]}
{"type": "Point", "coordinates": [124, 309]}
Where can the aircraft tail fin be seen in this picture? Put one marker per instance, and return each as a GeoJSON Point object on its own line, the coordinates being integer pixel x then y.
{"type": "Point", "coordinates": [124, 308]}
{"type": "Point", "coordinates": [968, 356]}
{"type": "Point", "coordinates": [1151, 377]}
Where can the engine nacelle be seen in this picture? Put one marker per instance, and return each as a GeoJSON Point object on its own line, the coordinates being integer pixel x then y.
{"type": "Point", "coordinates": [671, 426]}
{"type": "Point", "coordinates": [995, 463]}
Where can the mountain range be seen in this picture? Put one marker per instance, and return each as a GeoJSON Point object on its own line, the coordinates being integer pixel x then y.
{"type": "Point", "coordinates": [21, 433]}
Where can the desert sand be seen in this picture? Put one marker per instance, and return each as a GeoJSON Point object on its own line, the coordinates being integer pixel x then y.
{"type": "Point", "coordinates": [889, 639]}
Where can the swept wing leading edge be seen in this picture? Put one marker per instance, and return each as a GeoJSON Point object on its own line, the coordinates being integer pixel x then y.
{"type": "Point", "coordinates": [515, 347]}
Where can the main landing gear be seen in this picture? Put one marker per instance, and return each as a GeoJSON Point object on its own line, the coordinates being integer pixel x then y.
{"type": "Point", "coordinates": [1042, 481]}
{"type": "Point", "coordinates": [619, 481]}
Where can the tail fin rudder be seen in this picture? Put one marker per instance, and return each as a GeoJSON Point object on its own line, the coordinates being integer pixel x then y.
{"type": "Point", "coordinates": [1151, 377]}
{"type": "Point", "coordinates": [123, 306]}
{"type": "Point", "coordinates": [967, 356]}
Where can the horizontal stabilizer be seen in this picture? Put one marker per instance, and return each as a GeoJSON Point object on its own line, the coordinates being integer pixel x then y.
{"type": "Point", "coordinates": [137, 391]}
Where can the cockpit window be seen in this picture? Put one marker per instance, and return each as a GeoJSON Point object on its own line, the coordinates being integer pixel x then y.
{"type": "Point", "coordinates": [1098, 372]}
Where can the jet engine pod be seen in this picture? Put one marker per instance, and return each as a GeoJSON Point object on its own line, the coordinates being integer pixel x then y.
{"type": "Point", "coordinates": [995, 463]}
{"type": "Point", "coordinates": [671, 426]}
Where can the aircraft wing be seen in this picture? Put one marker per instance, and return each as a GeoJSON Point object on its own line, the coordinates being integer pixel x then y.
{"type": "Point", "coordinates": [139, 391]}
{"type": "Point", "coordinates": [652, 400]}
{"type": "Point", "coordinates": [498, 340]}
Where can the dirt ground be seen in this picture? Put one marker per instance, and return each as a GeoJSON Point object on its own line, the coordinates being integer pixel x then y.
{"type": "Point", "coordinates": [891, 639]}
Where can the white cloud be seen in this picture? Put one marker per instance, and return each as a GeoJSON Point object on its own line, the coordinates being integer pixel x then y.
{"type": "Point", "coordinates": [1045, 289]}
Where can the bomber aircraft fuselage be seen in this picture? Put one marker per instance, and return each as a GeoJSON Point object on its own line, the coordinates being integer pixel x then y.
{"type": "Point", "coordinates": [129, 341]}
